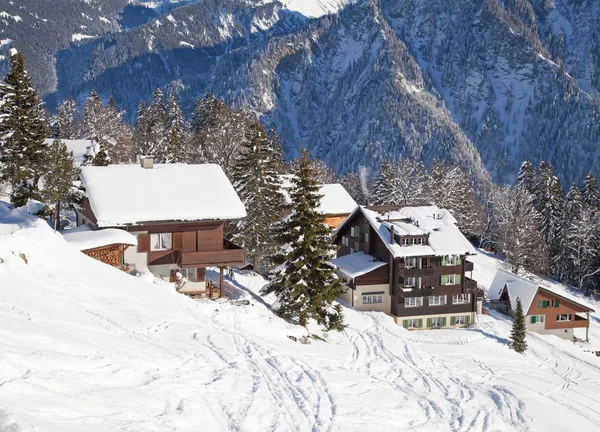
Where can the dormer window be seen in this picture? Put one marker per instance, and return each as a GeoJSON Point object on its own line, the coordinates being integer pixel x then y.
{"type": "Point", "coordinates": [411, 241]}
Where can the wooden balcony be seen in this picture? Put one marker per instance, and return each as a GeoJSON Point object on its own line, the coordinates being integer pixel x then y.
{"type": "Point", "coordinates": [231, 254]}
{"type": "Point", "coordinates": [416, 272]}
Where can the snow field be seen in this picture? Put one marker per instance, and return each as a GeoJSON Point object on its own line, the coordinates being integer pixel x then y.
{"type": "Point", "coordinates": [86, 347]}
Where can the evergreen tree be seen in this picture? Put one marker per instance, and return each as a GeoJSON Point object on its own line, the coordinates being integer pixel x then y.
{"type": "Point", "coordinates": [157, 127]}
{"type": "Point", "coordinates": [591, 196]}
{"type": "Point", "coordinates": [277, 151]}
{"type": "Point", "coordinates": [354, 185]}
{"type": "Point", "coordinates": [305, 284]}
{"type": "Point", "coordinates": [384, 188]}
{"type": "Point", "coordinates": [64, 121]}
{"type": "Point", "coordinates": [518, 332]}
{"type": "Point", "coordinates": [59, 177]}
{"type": "Point", "coordinates": [526, 176]}
{"type": "Point", "coordinates": [177, 151]}
{"type": "Point", "coordinates": [256, 180]}
{"type": "Point", "coordinates": [141, 135]}
{"type": "Point", "coordinates": [24, 131]}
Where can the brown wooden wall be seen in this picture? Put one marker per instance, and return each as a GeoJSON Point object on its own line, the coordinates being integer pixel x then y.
{"type": "Point", "coordinates": [335, 221]}
{"type": "Point", "coordinates": [565, 307]}
{"type": "Point", "coordinates": [376, 277]}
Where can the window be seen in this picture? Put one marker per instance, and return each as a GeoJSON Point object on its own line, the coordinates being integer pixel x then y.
{"type": "Point", "coordinates": [437, 322]}
{"type": "Point", "coordinates": [356, 246]}
{"type": "Point", "coordinates": [537, 319]}
{"type": "Point", "coordinates": [543, 304]}
{"type": "Point", "coordinates": [412, 263]}
{"type": "Point", "coordinates": [555, 303]}
{"type": "Point", "coordinates": [414, 282]}
{"type": "Point", "coordinates": [437, 300]}
{"type": "Point", "coordinates": [345, 241]}
{"type": "Point", "coordinates": [564, 317]}
{"type": "Point", "coordinates": [461, 299]}
{"type": "Point", "coordinates": [419, 241]}
{"type": "Point", "coordinates": [461, 320]}
{"type": "Point", "coordinates": [413, 301]}
{"type": "Point", "coordinates": [366, 237]}
{"type": "Point", "coordinates": [412, 323]}
{"type": "Point", "coordinates": [355, 231]}
{"type": "Point", "coordinates": [161, 241]}
{"type": "Point", "coordinates": [352, 250]}
{"type": "Point", "coordinates": [189, 275]}
{"type": "Point", "coordinates": [451, 279]}
{"type": "Point", "coordinates": [370, 298]}
{"type": "Point", "coordinates": [450, 260]}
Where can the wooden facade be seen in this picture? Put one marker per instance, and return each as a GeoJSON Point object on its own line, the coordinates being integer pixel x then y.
{"type": "Point", "coordinates": [111, 254]}
{"type": "Point", "coordinates": [394, 274]}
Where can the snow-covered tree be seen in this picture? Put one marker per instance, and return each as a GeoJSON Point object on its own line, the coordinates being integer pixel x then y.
{"type": "Point", "coordinates": [324, 174]}
{"type": "Point", "coordinates": [256, 180]}
{"type": "Point", "coordinates": [177, 150]}
{"type": "Point", "coordinates": [354, 185]}
{"type": "Point", "coordinates": [590, 193]}
{"type": "Point", "coordinates": [58, 179]}
{"type": "Point", "coordinates": [278, 151]}
{"type": "Point", "coordinates": [384, 192]}
{"type": "Point", "coordinates": [526, 176]}
{"type": "Point", "coordinates": [519, 330]}
{"type": "Point", "coordinates": [305, 284]}
{"type": "Point", "coordinates": [409, 181]}
{"type": "Point", "coordinates": [65, 124]}
{"type": "Point", "coordinates": [23, 132]}
{"type": "Point", "coordinates": [157, 127]}
{"type": "Point", "coordinates": [141, 136]}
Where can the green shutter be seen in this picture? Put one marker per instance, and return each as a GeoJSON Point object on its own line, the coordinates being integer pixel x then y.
{"type": "Point", "coordinates": [428, 322]}
{"type": "Point", "coordinates": [405, 324]}
{"type": "Point", "coordinates": [443, 260]}
{"type": "Point", "coordinates": [420, 323]}
{"type": "Point", "coordinates": [458, 260]}
{"type": "Point", "coordinates": [457, 279]}
{"type": "Point", "coordinates": [444, 322]}
{"type": "Point", "coordinates": [452, 321]}
{"type": "Point", "coordinates": [443, 279]}
{"type": "Point", "coordinates": [468, 320]}
{"type": "Point", "coordinates": [533, 319]}
{"type": "Point", "coordinates": [546, 303]}
{"type": "Point", "coordinates": [539, 305]}
{"type": "Point", "coordinates": [556, 303]}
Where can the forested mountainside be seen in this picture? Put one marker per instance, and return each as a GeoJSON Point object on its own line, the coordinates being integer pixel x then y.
{"type": "Point", "coordinates": [423, 78]}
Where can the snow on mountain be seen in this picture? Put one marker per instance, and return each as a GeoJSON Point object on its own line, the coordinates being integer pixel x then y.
{"type": "Point", "coordinates": [86, 346]}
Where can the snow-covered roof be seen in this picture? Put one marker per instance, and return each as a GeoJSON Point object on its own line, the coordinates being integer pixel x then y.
{"type": "Point", "coordinates": [524, 289]}
{"type": "Point", "coordinates": [78, 147]}
{"type": "Point", "coordinates": [84, 238]}
{"type": "Point", "coordinates": [444, 236]}
{"type": "Point", "coordinates": [356, 264]}
{"type": "Point", "coordinates": [122, 195]}
{"type": "Point", "coordinates": [335, 201]}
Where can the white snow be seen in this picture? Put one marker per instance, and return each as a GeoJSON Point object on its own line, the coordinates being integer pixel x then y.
{"type": "Point", "coordinates": [335, 198]}
{"type": "Point", "coordinates": [78, 37]}
{"type": "Point", "coordinates": [518, 288]}
{"type": "Point", "coordinates": [444, 236]}
{"type": "Point", "coordinates": [84, 238]}
{"type": "Point", "coordinates": [129, 194]}
{"type": "Point", "coordinates": [85, 346]}
{"type": "Point", "coordinates": [356, 264]}
{"type": "Point", "coordinates": [78, 147]}
{"type": "Point", "coordinates": [315, 8]}
{"type": "Point", "coordinates": [186, 44]}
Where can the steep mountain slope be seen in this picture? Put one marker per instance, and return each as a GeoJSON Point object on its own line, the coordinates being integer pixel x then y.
{"type": "Point", "coordinates": [427, 78]}
{"type": "Point", "coordinates": [86, 347]}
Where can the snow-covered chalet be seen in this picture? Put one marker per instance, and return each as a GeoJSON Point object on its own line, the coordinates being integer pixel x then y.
{"type": "Point", "coordinates": [546, 310]}
{"type": "Point", "coordinates": [408, 262]}
{"type": "Point", "coordinates": [177, 212]}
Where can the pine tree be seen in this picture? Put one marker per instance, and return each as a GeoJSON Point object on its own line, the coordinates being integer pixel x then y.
{"type": "Point", "coordinates": [384, 189]}
{"type": "Point", "coordinates": [256, 180]}
{"type": "Point", "coordinates": [519, 331]}
{"type": "Point", "coordinates": [177, 151]}
{"type": "Point", "coordinates": [59, 178]}
{"type": "Point", "coordinates": [277, 151]}
{"type": "Point", "coordinates": [304, 283]}
{"type": "Point", "coordinates": [354, 185]}
{"type": "Point", "coordinates": [141, 135]}
{"type": "Point", "coordinates": [157, 127]}
{"type": "Point", "coordinates": [24, 131]}
{"type": "Point", "coordinates": [590, 193]}
{"type": "Point", "coordinates": [526, 176]}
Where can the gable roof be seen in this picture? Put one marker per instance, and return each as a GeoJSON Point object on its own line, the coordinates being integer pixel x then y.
{"type": "Point", "coordinates": [524, 289]}
{"type": "Point", "coordinates": [122, 195]}
{"type": "Point", "coordinates": [335, 201]}
{"type": "Point", "coordinates": [356, 264]}
{"type": "Point", "coordinates": [444, 236]}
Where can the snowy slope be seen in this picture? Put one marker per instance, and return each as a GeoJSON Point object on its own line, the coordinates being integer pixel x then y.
{"type": "Point", "coordinates": [87, 347]}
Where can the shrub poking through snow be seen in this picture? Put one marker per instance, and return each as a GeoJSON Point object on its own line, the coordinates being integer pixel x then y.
{"type": "Point", "coordinates": [518, 332]}
{"type": "Point", "coordinates": [304, 282]}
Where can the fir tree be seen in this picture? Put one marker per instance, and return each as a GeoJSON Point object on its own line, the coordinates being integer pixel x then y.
{"type": "Point", "coordinates": [177, 151]}
{"type": "Point", "coordinates": [384, 188]}
{"type": "Point", "coordinates": [24, 131]}
{"type": "Point", "coordinates": [141, 135]}
{"type": "Point", "coordinates": [64, 121]}
{"type": "Point", "coordinates": [518, 332]}
{"type": "Point", "coordinates": [305, 284]}
{"type": "Point", "coordinates": [59, 178]}
{"type": "Point", "coordinates": [277, 151]}
{"type": "Point", "coordinates": [354, 185]}
{"type": "Point", "coordinates": [157, 127]}
{"type": "Point", "coordinates": [256, 180]}
{"type": "Point", "coordinates": [526, 176]}
{"type": "Point", "coordinates": [590, 193]}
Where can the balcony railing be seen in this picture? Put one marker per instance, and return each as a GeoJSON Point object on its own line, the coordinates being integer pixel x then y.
{"type": "Point", "coordinates": [231, 254]}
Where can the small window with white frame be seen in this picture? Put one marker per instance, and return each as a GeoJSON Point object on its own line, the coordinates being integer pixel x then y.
{"type": "Point", "coordinates": [451, 279]}
{"type": "Point", "coordinates": [357, 246]}
{"type": "Point", "coordinates": [366, 237]}
{"type": "Point", "coordinates": [534, 319]}
{"type": "Point", "coordinates": [414, 282]}
{"type": "Point", "coordinates": [437, 322]}
{"type": "Point", "coordinates": [413, 263]}
{"type": "Point", "coordinates": [372, 298]}
{"type": "Point", "coordinates": [437, 300]}
{"type": "Point", "coordinates": [345, 241]}
{"type": "Point", "coordinates": [461, 298]}
{"type": "Point", "coordinates": [412, 323]}
{"type": "Point", "coordinates": [460, 320]}
{"type": "Point", "coordinates": [162, 241]}
{"type": "Point", "coordinates": [188, 274]}
{"type": "Point", "coordinates": [413, 301]}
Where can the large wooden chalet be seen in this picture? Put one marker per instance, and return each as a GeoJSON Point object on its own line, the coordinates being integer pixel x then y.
{"type": "Point", "coordinates": [546, 310]}
{"type": "Point", "coordinates": [408, 262]}
{"type": "Point", "coordinates": [177, 213]}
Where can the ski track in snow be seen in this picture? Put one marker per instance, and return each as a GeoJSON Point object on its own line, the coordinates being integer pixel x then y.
{"type": "Point", "coordinates": [83, 346]}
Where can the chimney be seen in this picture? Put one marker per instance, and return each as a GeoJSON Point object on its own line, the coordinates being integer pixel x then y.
{"type": "Point", "coordinates": [392, 234]}
{"type": "Point", "coordinates": [147, 162]}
